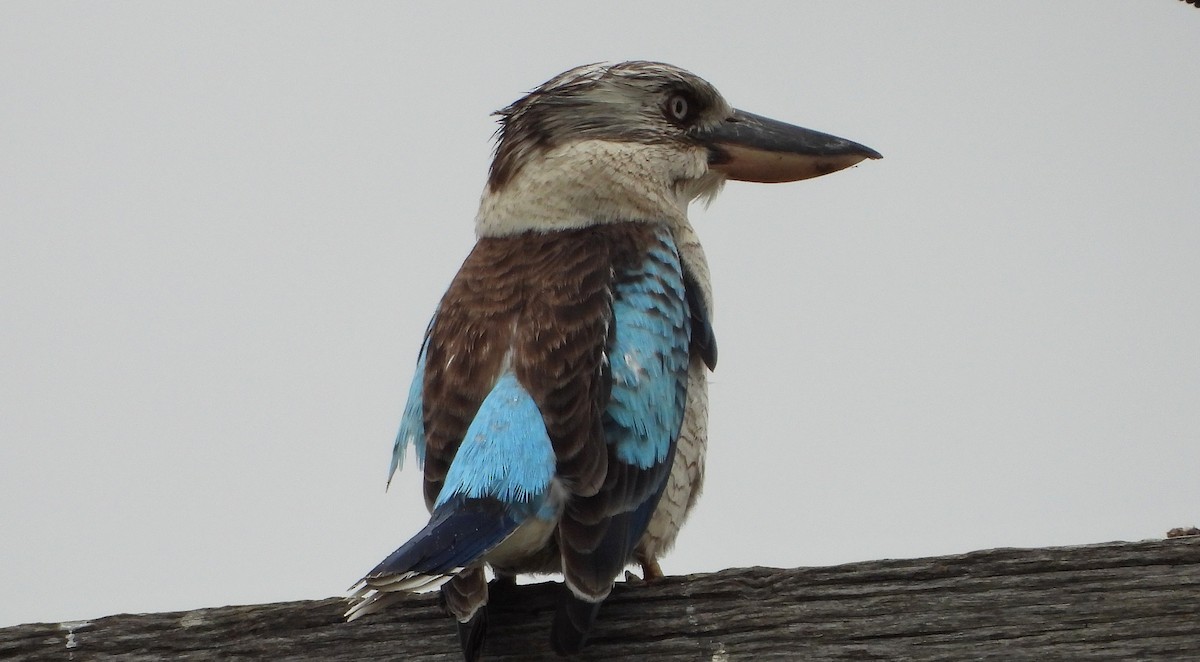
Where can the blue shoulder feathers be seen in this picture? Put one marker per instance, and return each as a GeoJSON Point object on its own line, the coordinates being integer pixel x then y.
{"type": "Point", "coordinates": [648, 358]}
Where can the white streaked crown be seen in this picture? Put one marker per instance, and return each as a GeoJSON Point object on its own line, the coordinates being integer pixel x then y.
{"type": "Point", "coordinates": [595, 145]}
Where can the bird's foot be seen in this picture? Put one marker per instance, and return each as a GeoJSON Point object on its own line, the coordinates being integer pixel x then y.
{"type": "Point", "coordinates": [471, 635]}
{"type": "Point", "coordinates": [650, 568]}
{"type": "Point", "coordinates": [502, 590]}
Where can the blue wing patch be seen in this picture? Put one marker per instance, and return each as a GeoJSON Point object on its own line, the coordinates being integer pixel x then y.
{"type": "Point", "coordinates": [412, 425]}
{"type": "Point", "coordinates": [648, 359]}
{"type": "Point", "coordinates": [506, 453]}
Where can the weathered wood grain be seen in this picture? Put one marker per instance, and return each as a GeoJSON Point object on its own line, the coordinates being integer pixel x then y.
{"type": "Point", "coordinates": [1117, 601]}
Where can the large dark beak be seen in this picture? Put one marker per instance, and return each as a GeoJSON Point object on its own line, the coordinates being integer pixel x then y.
{"type": "Point", "coordinates": [752, 148]}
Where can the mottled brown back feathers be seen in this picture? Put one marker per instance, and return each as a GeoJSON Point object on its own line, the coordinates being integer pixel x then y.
{"type": "Point", "coordinates": [542, 303]}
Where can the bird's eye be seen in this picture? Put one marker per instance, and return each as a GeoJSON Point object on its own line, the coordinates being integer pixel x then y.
{"type": "Point", "coordinates": [680, 108]}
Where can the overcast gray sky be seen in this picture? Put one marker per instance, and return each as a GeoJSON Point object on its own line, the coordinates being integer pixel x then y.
{"type": "Point", "coordinates": [225, 226]}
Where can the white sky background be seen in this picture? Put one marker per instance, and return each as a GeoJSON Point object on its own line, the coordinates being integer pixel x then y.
{"type": "Point", "coordinates": [225, 226]}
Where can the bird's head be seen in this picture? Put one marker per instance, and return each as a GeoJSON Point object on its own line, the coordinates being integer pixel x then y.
{"type": "Point", "coordinates": [636, 141]}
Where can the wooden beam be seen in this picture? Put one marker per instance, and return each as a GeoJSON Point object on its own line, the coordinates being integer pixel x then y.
{"type": "Point", "coordinates": [1118, 601]}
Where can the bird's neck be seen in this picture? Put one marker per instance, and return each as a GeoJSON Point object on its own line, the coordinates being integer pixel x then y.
{"type": "Point", "coordinates": [592, 182]}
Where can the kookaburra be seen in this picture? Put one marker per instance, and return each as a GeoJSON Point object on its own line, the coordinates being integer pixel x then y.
{"type": "Point", "coordinates": [559, 405]}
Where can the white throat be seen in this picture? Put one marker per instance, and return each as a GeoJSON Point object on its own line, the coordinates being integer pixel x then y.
{"type": "Point", "coordinates": [597, 181]}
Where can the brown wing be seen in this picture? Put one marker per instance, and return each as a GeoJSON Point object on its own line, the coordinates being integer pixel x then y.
{"type": "Point", "coordinates": [539, 304]}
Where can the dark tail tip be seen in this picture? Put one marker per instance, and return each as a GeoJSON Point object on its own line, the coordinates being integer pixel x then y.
{"type": "Point", "coordinates": [471, 635]}
{"type": "Point", "coordinates": [572, 624]}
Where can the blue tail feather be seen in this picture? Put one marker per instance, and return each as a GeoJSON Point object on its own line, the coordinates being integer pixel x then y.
{"type": "Point", "coordinates": [459, 533]}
